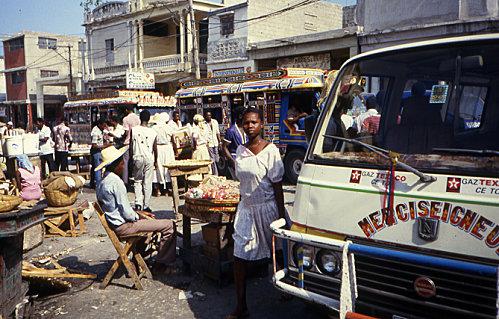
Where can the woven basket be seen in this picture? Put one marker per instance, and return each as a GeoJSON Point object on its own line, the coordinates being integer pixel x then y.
{"type": "Point", "coordinates": [8, 203]}
{"type": "Point", "coordinates": [58, 192]}
{"type": "Point", "coordinates": [57, 198]}
{"type": "Point", "coordinates": [209, 206]}
{"type": "Point", "coordinates": [188, 164]}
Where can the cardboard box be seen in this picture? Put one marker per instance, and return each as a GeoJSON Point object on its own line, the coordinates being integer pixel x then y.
{"type": "Point", "coordinates": [218, 236]}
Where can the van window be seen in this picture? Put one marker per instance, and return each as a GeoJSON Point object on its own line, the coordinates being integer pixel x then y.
{"type": "Point", "coordinates": [438, 108]}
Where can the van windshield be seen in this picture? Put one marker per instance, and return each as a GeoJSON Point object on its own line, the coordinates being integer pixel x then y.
{"type": "Point", "coordinates": [438, 108]}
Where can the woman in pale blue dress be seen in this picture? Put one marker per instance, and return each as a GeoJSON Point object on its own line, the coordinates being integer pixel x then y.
{"type": "Point", "coordinates": [259, 169]}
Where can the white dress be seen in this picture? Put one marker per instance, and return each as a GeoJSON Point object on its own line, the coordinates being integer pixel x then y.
{"type": "Point", "coordinates": [258, 207]}
{"type": "Point", "coordinates": [165, 152]}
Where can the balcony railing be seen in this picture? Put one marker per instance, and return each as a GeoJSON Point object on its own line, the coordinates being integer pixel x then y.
{"type": "Point", "coordinates": [166, 63]}
{"type": "Point", "coordinates": [106, 10]}
{"type": "Point", "coordinates": [162, 62]}
{"type": "Point", "coordinates": [121, 68]}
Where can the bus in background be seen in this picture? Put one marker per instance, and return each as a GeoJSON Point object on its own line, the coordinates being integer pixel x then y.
{"type": "Point", "coordinates": [83, 111]}
{"type": "Point", "coordinates": [402, 220]}
{"type": "Point", "coordinates": [285, 96]}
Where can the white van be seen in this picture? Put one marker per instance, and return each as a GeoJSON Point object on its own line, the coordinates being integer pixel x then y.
{"type": "Point", "coordinates": [397, 210]}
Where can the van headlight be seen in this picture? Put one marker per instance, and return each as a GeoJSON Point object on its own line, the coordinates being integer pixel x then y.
{"type": "Point", "coordinates": [328, 262]}
{"type": "Point", "coordinates": [308, 255]}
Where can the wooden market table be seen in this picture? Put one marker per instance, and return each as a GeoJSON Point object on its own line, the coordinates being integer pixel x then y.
{"type": "Point", "coordinates": [76, 156]}
{"type": "Point", "coordinates": [57, 216]}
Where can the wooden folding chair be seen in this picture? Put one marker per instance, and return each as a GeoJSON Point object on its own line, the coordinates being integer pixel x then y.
{"type": "Point", "coordinates": [124, 251]}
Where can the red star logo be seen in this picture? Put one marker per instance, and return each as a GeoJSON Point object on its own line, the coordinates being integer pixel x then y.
{"type": "Point", "coordinates": [453, 184]}
{"type": "Point", "coordinates": [355, 176]}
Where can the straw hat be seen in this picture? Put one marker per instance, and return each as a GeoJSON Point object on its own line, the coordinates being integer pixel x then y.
{"type": "Point", "coordinates": [154, 119]}
{"type": "Point", "coordinates": [111, 154]}
{"type": "Point", "coordinates": [198, 118]}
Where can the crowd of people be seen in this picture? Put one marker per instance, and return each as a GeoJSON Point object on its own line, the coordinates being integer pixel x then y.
{"type": "Point", "coordinates": [138, 147]}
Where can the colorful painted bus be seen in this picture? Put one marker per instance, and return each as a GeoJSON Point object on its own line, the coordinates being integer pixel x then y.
{"type": "Point", "coordinates": [275, 92]}
{"type": "Point", "coordinates": [83, 111]}
{"type": "Point", "coordinates": [403, 221]}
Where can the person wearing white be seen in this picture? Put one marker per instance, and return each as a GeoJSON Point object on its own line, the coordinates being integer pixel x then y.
{"type": "Point", "coordinates": [200, 139]}
{"type": "Point", "coordinates": [214, 140]}
{"type": "Point", "coordinates": [371, 106]}
{"type": "Point", "coordinates": [165, 149]}
{"type": "Point", "coordinates": [175, 122]}
{"type": "Point", "coordinates": [260, 170]}
{"type": "Point", "coordinates": [144, 154]}
{"type": "Point", "coordinates": [46, 146]}
{"type": "Point", "coordinates": [347, 121]}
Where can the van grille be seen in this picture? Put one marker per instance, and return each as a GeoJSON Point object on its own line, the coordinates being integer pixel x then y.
{"type": "Point", "coordinates": [320, 284]}
{"type": "Point", "coordinates": [388, 284]}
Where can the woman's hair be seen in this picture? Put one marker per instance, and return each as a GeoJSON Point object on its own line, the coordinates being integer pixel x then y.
{"type": "Point", "coordinates": [254, 110]}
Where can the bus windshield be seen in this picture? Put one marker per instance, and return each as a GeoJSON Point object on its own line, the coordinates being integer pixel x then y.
{"type": "Point", "coordinates": [437, 107]}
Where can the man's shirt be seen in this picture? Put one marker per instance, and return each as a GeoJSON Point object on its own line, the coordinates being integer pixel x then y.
{"type": "Point", "coordinates": [130, 121]}
{"type": "Point", "coordinates": [97, 136]}
{"type": "Point", "coordinates": [62, 135]}
{"type": "Point", "coordinates": [47, 146]}
{"type": "Point", "coordinates": [234, 137]}
{"type": "Point", "coordinates": [213, 132]}
{"type": "Point", "coordinates": [112, 196]}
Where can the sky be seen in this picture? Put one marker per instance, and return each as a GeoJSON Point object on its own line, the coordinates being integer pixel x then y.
{"type": "Point", "coordinates": [55, 16]}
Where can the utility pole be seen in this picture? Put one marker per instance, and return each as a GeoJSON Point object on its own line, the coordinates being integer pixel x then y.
{"type": "Point", "coordinates": [195, 44]}
{"type": "Point", "coordinates": [70, 73]}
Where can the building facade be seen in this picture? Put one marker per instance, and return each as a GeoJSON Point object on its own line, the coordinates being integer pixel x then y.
{"type": "Point", "coordinates": [236, 30]}
{"type": "Point", "coordinates": [145, 36]}
{"type": "Point", "coordinates": [391, 22]}
{"type": "Point", "coordinates": [37, 75]}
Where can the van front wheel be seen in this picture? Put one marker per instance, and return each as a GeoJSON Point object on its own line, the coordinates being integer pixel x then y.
{"type": "Point", "coordinates": [292, 164]}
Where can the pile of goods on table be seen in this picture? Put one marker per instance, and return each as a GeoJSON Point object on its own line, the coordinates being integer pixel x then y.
{"type": "Point", "coordinates": [215, 188]}
{"type": "Point", "coordinates": [79, 148]}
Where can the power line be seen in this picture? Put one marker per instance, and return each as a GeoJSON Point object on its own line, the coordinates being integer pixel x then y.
{"type": "Point", "coordinates": [93, 53]}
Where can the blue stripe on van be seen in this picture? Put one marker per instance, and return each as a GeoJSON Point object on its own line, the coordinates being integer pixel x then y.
{"type": "Point", "coordinates": [425, 260]}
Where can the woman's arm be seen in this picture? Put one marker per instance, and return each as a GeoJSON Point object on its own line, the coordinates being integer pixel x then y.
{"type": "Point", "coordinates": [279, 198]}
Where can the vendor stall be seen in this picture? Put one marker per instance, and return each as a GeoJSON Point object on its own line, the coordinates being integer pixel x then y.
{"type": "Point", "coordinates": [214, 202]}
{"type": "Point", "coordinates": [13, 223]}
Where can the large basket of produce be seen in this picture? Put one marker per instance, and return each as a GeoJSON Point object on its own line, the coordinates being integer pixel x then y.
{"type": "Point", "coordinates": [61, 188]}
{"type": "Point", "coordinates": [215, 194]}
{"type": "Point", "coordinates": [9, 202]}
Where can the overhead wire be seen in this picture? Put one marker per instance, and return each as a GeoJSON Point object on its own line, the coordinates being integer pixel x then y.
{"type": "Point", "coordinates": [134, 36]}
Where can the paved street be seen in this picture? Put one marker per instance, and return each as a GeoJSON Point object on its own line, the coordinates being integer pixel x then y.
{"type": "Point", "coordinates": [93, 252]}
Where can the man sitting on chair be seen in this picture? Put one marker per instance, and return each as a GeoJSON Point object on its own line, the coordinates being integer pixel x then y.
{"type": "Point", "coordinates": [112, 196]}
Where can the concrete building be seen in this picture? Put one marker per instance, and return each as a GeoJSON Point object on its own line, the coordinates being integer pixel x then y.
{"type": "Point", "coordinates": [37, 76]}
{"type": "Point", "coordinates": [391, 22]}
{"type": "Point", "coordinates": [237, 30]}
{"type": "Point", "coordinates": [323, 50]}
{"type": "Point", "coordinates": [145, 36]}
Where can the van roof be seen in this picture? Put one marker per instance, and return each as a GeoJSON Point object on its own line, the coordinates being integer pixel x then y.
{"type": "Point", "coordinates": [462, 39]}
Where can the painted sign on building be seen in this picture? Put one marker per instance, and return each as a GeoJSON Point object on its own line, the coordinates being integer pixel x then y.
{"type": "Point", "coordinates": [315, 61]}
{"type": "Point", "coordinates": [228, 72]}
{"type": "Point", "coordinates": [139, 80]}
{"type": "Point", "coordinates": [223, 50]}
